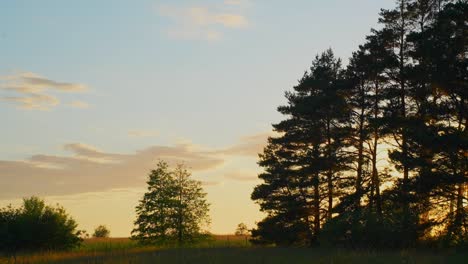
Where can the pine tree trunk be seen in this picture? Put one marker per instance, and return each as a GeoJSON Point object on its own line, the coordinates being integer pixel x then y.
{"type": "Point", "coordinates": [360, 159]}
{"type": "Point", "coordinates": [329, 174]}
{"type": "Point", "coordinates": [316, 206]}
{"type": "Point", "coordinates": [459, 211]}
{"type": "Point", "coordinates": [459, 215]}
{"type": "Point", "coordinates": [406, 210]}
{"type": "Point", "coordinates": [375, 177]}
{"type": "Point", "coordinates": [375, 173]}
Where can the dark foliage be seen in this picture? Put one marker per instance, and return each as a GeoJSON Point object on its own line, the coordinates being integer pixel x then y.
{"type": "Point", "coordinates": [35, 226]}
{"type": "Point", "coordinates": [376, 155]}
{"type": "Point", "coordinates": [173, 210]}
{"type": "Point", "coordinates": [101, 231]}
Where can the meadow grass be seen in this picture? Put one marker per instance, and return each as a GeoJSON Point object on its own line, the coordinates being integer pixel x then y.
{"type": "Point", "coordinates": [228, 249]}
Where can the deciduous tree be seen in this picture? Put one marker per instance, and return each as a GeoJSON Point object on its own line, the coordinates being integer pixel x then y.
{"type": "Point", "coordinates": [174, 208]}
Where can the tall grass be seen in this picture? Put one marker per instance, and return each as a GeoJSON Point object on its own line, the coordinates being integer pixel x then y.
{"type": "Point", "coordinates": [106, 245]}
{"type": "Point", "coordinates": [227, 249]}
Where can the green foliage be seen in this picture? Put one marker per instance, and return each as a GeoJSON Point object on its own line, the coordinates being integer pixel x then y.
{"type": "Point", "coordinates": [359, 229]}
{"type": "Point", "coordinates": [174, 209]}
{"type": "Point", "coordinates": [35, 226]}
{"type": "Point", "coordinates": [101, 231]}
{"type": "Point", "coordinates": [279, 231]}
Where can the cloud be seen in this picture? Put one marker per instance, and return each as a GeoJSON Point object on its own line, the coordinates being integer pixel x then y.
{"type": "Point", "coordinates": [201, 22]}
{"type": "Point", "coordinates": [79, 104]}
{"type": "Point", "coordinates": [230, 20]}
{"type": "Point", "coordinates": [90, 153]}
{"type": "Point", "coordinates": [28, 82]}
{"type": "Point", "coordinates": [248, 146]}
{"type": "Point", "coordinates": [33, 101]}
{"type": "Point", "coordinates": [33, 91]}
{"type": "Point", "coordinates": [83, 149]}
{"type": "Point", "coordinates": [143, 133]}
{"type": "Point", "coordinates": [90, 169]}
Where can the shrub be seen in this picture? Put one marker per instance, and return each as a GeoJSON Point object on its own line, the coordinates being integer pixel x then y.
{"type": "Point", "coordinates": [101, 231]}
{"type": "Point", "coordinates": [35, 226]}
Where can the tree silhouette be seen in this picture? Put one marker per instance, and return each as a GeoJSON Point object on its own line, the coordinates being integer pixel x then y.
{"type": "Point", "coordinates": [101, 231]}
{"type": "Point", "coordinates": [241, 230]}
{"type": "Point", "coordinates": [327, 178]}
{"type": "Point", "coordinates": [35, 226]}
{"type": "Point", "coordinates": [173, 209]}
{"type": "Point", "coordinates": [302, 167]}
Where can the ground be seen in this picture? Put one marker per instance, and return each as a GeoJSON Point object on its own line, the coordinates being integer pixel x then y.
{"type": "Point", "coordinates": [228, 249]}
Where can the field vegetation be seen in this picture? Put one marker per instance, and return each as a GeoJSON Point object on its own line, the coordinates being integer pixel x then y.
{"type": "Point", "coordinates": [226, 249]}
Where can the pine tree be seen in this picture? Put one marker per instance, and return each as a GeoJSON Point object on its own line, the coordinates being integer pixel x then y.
{"type": "Point", "coordinates": [366, 78]}
{"type": "Point", "coordinates": [303, 165]}
{"type": "Point", "coordinates": [400, 110]}
{"type": "Point", "coordinates": [441, 52]}
{"type": "Point", "coordinates": [293, 209]}
{"type": "Point", "coordinates": [406, 88]}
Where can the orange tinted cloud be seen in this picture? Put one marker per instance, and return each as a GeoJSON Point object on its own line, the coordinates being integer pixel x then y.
{"type": "Point", "coordinates": [89, 169]}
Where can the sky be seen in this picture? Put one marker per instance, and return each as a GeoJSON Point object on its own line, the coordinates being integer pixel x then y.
{"type": "Point", "coordinates": [93, 93]}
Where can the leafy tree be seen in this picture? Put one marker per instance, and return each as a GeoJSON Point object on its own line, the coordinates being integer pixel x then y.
{"type": "Point", "coordinates": [101, 231]}
{"type": "Point", "coordinates": [35, 226]}
{"type": "Point", "coordinates": [241, 230]}
{"type": "Point", "coordinates": [173, 209]}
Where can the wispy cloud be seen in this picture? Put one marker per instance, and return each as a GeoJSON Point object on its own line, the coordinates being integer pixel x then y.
{"type": "Point", "coordinates": [33, 101]}
{"type": "Point", "coordinates": [34, 92]}
{"type": "Point", "coordinates": [202, 22]}
{"type": "Point", "coordinates": [89, 169]}
{"type": "Point", "coordinates": [249, 145]}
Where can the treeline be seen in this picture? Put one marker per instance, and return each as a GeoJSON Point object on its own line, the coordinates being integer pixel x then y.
{"type": "Point", "coordinates": [375, 154]}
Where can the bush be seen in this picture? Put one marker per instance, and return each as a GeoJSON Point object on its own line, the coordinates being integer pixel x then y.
{"type": "Point", "coordinates": [101, 231]}
{"type": "Point", "coordinates": [281, 231]}
{"type": "Point", "coordinates": [35, 226]}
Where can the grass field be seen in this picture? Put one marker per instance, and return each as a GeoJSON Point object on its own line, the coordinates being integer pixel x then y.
{"type": "Point", "coordinates": [226, 249]}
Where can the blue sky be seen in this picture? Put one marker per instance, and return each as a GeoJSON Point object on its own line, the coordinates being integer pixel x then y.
{"type": "Point", "coordinates": [86, 86]}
